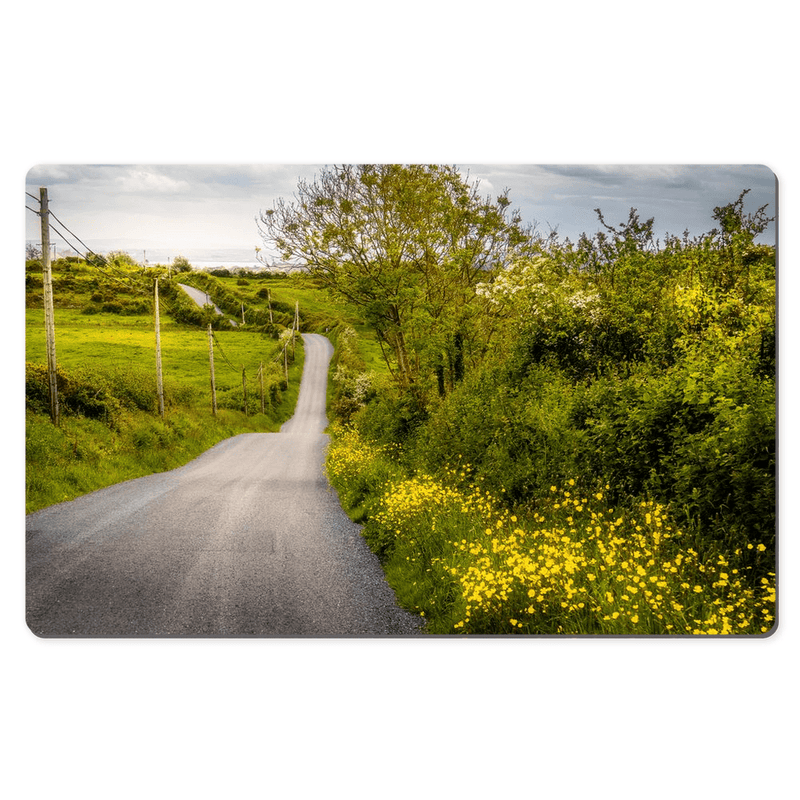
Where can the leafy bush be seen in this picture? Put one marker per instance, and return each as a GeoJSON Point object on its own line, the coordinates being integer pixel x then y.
{"type": "Point", "coordinates": [649, 371]}
{"type": "Point", "coordinates": [79, 392]}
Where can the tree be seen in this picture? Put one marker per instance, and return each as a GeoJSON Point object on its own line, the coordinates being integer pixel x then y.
{"type": "Point", "coordinates": [406, 244]}
{"type": "Point", "coordinates": [181, 264]}
{"type": "Point", "coordinates": [32, 252]}
{"type": "Point", "coordinates": [736, 241]}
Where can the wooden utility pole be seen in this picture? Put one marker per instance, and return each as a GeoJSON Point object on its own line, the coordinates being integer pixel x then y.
{"type": "Point", "coordinates": [159, 376]}
{"type": "Point", "coordinates": [211, 362]}
{"type": "Point", "coordinates": [49, 315]}
{"type": "Point", "coordinates": [242, 313]}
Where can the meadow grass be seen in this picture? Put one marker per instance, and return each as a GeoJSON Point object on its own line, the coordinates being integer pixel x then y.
{"type": "Point", "coordinates": [110, 341]}
{"type": "Point", "coordinates": [113, 354]}
{"type": "Point", "coordinates": [118, 353]}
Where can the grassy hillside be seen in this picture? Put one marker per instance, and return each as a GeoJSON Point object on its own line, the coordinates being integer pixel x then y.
{"type": "Point", "coordinates": [110, 428]}
{"type": "Point", "coordinates": [105, 344]}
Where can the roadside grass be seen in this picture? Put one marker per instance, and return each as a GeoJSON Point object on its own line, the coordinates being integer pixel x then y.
{"type": "Point", "coordinates": [112, 357]}
{"type": "Point", "coordinates": [83, 455]}
{"type": "Point", "coordinates": [569, 564]}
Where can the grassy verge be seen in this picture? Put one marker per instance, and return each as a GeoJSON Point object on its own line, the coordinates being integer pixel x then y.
{"type": "Point", "coordinates": [457, 555]}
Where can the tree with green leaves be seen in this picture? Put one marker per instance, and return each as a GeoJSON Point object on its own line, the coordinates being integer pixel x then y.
{"type": "Point", "coordinates": [406, 244]}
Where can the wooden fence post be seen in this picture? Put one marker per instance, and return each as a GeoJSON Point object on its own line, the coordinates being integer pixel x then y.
{"type": "Point", "coordinates": [211, 362]}
{"type": "Point", "coordinates": [244, 390]}
{"type": "Point", "coordinates": [261, 384]}
{"type": "Point", "coordinates": [295, 324]}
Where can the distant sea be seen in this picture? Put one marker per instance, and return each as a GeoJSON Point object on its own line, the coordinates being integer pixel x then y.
{"type": "Point", "coordinates": [203, 259]}
{"type": "Point", "coordinates": [200, 258]}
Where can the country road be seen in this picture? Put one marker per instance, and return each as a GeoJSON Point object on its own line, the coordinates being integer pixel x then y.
{"type": "Point", "coordinates": [247, 540]}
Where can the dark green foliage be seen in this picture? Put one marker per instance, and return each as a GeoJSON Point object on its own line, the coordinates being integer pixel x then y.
{"type": "Point", "coordinates": [393, 417]}
{"type": "Point", "coordinates": [100, 394]}
{"type": "Point", "coordinates": [79, 392]}
{"type": "Point", "coordinates": [643, 369]}
{"type": "Point", "coordinates": [123, 306]}
{"type": "Point", "coordinates": [702, 440]}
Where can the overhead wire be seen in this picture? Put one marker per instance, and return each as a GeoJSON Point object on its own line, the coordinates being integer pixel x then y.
{"type": "Point", "coordinates": [123, 281]}
{"type": "Point", "coordinates": [86, 246]}
{"type": "Point", "coordinates": [121, 278]}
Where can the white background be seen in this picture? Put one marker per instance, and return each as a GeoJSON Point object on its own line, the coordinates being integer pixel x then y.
{"type": "Point", "coordinates": [616, 82]}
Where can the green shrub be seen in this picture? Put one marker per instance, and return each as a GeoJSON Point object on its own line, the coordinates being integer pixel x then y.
{"type": "Point", "coordinates": [701, 439]}
{"type": "Point", "coordinates": [79, 392]}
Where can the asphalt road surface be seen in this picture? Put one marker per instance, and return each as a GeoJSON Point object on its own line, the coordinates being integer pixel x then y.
{"type": "Point", "coordinates": [246, 540]}
{"type": "Point", "coordinates": [202, 299]}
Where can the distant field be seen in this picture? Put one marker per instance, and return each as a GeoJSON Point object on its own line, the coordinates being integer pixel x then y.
{"type": "Point", "coordinates": [114, 342]}
{"type": "Point", "coordinates": [318, 310]}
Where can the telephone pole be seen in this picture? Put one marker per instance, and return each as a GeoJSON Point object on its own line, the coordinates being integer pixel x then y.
{"type": "Point", "coordinates": [49, 315]}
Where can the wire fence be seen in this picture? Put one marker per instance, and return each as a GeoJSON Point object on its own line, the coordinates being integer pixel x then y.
{"type": "Point", "coordinates": [144, 287]}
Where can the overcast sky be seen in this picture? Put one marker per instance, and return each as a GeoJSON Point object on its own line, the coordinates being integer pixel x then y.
{"type": "Point", "coordinates": [189, 209]}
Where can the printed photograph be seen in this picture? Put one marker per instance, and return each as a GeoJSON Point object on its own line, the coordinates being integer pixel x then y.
{"type": "Point", "coordinates": [400, 400]}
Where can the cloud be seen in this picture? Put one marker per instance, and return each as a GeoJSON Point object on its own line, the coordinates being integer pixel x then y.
{"type": "Point", "coordinates": [180, 205]}
{"type": "Point", "coordinates": [147, 181]}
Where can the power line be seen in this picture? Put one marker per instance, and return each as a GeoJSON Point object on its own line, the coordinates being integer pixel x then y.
{"type": "Point", "coordinates": [88, 249]}
{"type": "Point", "coordinates": [123, 281]}
{"type": "Point", "coordinates": [222, 353]}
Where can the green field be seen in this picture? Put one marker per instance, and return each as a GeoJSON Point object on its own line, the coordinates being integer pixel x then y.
{"type": "Point", "coordinates": [110, 427]}
{"type": "Point", "coordinates": [115, 343]}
